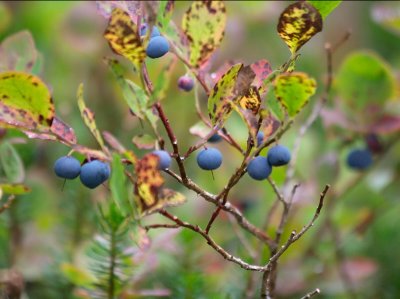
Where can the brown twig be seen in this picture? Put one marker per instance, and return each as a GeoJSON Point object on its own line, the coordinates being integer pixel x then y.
{"type": "Point", "coordinates": [7, 204]}
{"type": "Point", "coordinates": [163, 225]}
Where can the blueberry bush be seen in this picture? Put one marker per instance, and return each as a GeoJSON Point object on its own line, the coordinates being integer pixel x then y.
{"type": "Point", "coordinates": [203, 172]}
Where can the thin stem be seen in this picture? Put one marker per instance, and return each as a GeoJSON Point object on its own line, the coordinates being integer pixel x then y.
{"type": "Point", "coordinates": [311, 294]}
{"type": "Point", "coordinates": [7, 204]}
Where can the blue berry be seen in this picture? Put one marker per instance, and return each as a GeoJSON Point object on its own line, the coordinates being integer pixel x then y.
{"type": "Point", "coordinates": [279, 155]}
{"type": "Point", "coordinates": [259, 168]}
{"type": "Point", "coordinates": [214, 138]}
{"type": "Point", "coordinates": [209, 159]}
{"type": "Point", "coordinates": [67, 167]}
{"type": "Point", "coordinates": [165, 159]}
{"type": "Point", "coordinates": [185, 83]}
{"type": "Point", "coordinates": [260, 138]}
{"type": "Point", "coordinates": [155, 32]}
{"type": "Point", "coordinates": [158, 46]}
{"type": "Point", "coordinates": [359, 159]}
{"type": "Point", "coordinates": [94, 173]}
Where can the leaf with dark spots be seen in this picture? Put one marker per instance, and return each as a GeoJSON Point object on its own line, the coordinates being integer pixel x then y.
{"type": "Point", "coordinates": [15, 189]}
{"type": "Point", "coordinates": [148, 183]}
{"type": "Point", "coordinates": [63, 131]}
{"type": "Point", "coordinates": [25, 101]}
{"type": "Point", "coordinates": [133, 8]}
{"type": "Point", "coordinates": [250, 100]}
{"type": "Point", "coordinates": [298, 23]}
{"type": "Point", "coordinates": [123, 37]}
{"type": "Point", "coordinates": [204, 25]}
{"type": "Point", "coordinates": [262, 70]}
{"type": "Point", "coordinates": [244, 79]}
{"type": "Point", "coordinates": [269, 125]}
{"type": "Point", "coordinates": [88, 117]}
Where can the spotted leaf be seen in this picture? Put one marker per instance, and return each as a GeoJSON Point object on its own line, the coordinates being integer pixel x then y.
{"type": "Point", "coordinates": [25, 101]}
{"type": "Point", "coordinates": [88, 117]}
{"type": "Point", "coordinates": [250, 100]}
{"type": "Point", "coordinates": [15, 189]}
{"type": "Point", "coordinates": [63, 131]}
{"type": "Point", "coordinates": [204, 25]}
{"type": "Point", "coordinates": [219, 101]}
{"type": "Point", "coordinates": [123, 37]}
{"type": "Point", "coordinates": [298, 23]}
{"type": "Point", "coordinates": [148, 183]}
{"type": "Point", "coordinates": [269, 124]}
{"type": "Point", "coordinates": [167, 198]}
{"type": "Point", "coordinates": [293, 91]}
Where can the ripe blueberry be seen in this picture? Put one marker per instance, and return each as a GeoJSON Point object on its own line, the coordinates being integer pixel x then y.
{"type": "Point", "coordinates": [214, 138]}
{"type": "Point", "coordinates": [359, 159]}
{"type": "Point", "coordinates": [185, 83]}
{"type": "Point", "coordinates": [209, 159]}
{"type": "Point", "coordinates": [94, 173]}
{"type": "Point", "coordinates": [278, 155]}
{"type": "Point", "coordinates": [157, 47]}
{"type": "Point", "coordinates": [260, 138]}
{"type": "Point", "coordinates": [259, 168]}
{"type": "Point", "coordinates": [155, 32]}
{"type": "Point", "coordinates": [67, 167]}
{"type": "Point", "coordinates": [165, 159]}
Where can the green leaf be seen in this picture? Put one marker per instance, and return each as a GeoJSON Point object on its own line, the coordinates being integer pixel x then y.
{"type": "Point", "coordinates": [25, 101]}
{"type": "Point", "coordinates": [325, 7]}
{"type": "Point", "coordinates": [219, 101]}
{"type": "Point", "coordinates": [365, 78]}
{"type": "Point", "coordinates": [204, 25]}
{"type": "Point", "coordinates": [15, 189]}
{"type": "Point", "coordinates": [298, 23]}
{"type": "Point", "coordinates": [77, 276]}
{"type": "Point", "coordinates": [118, 184]}
{"type": "Point", "coordinates": [163, 80]}
{"type": "Point", "coordinates": [123, 37]}
{"type": "Point", "coordinates": [11, 163]}
{"type": "Point", "coordinates": [387, 15]}
{"type": "Point", "coordinates": [293, 91]}
{"type": "Point", "coordinates": [165, 9]}
{"type": "Point", "coordinates": [144, 141]}
{"type": "Point", "coordinates": [88, 117]}
{"type": "Point", "coordinates": [18, 52]}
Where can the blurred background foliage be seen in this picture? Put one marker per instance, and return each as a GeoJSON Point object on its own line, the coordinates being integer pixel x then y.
{"type": "Point", "coordinates": [52, 225]}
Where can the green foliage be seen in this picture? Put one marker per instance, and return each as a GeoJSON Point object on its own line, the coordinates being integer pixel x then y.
{"type": "Point", "coordinates": [11, 163]}
{"type": "Point", "coordinates": [325, 7]}
{"type": "Point", "coordinates": [120, 191]}
{"type": "Point", "coordinates": [293, 91]}
{"type": "Point", "coordinates": [365, 79]}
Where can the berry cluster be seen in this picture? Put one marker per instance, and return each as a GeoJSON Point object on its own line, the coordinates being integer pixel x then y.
{"type": "Point", "coordinates": [158, 45]}
{"type": "Point", "coordinates": [92, 174]}
{"type": "Point", "coordinates": [260, 168]}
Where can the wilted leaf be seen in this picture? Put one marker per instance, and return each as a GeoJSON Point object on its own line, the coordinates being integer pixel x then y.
{"type": "Point", "coordinates": [25, 101]}
{"type": "Point", "coordinates": [269, 125]}
{"type": "Point", "coordinates": [90, 152]}
{"type": "Point", "coordinates": [77, 276]}
{"type": "Point", "coordinates": [168, 198]}
{"type": "Point", "coordinates": [385, 125]}
{"type": "Point", "coordinates": [11, 163]}
{"type": "Point", "coordinates": [204, 25]}
{"type": "Point", "coordinates": [293, 90]}
{"type": "Point", "coordinates": [41, 136]}
{"type": "Point", "coordinates": [250, 100]}
{"type": "Point", "coordinates": [133, 8]}
{"type": "Point", "coordinates": [219, 100]}
{"type": "Point", "coordinates": [144, 141]}
{"type": "Point", "coordinates": [123, 37]}
{"type": "Point", "coordinates": [15, 189]}
{"type": "Point", "coordinates": [325, 7]}
{"type": "Point", "coordinates": [120, 190]}
{"type": "Point", "coordinates": [148, 184]}
{"type": "Point", "coordinates": [298, 23]}
{"type": "Point", "coordinates": [88, 117]}
{"type": "Point", "coordinates": [261, 69]}
{"type": "Point", "coordinates": [63, 131]}
{"type": "Point", "coordinates": [18, 52]}
{"type": "Point", "coordinates": [363, 79]}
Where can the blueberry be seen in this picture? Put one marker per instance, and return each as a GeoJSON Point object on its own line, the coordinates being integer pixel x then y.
{"type": "Point", "coordinates": [157, 47]}
{"type": "Point", "coordinates": [209, 159]}
{"type": "Point", "coordinates": [214, 138]}
{"type": "Point", "coordinates": [67, 167]}
{"type": "Point", "coordinates": [260, 138]}
{"type": "Point", "coordinates": [279, 155]}
{"type": "Point", "coordinates": [185, 83]}
{"type": "Point", "coordinates": [165, 159]}
{"type": "Point", "coordinates": [359, 159]}
{"type": "Point", "coordinates": [259, 168]}
{"type": "Point", "coordinates": [94, 173]}
{"type": "Point", "coordinates": [155, 32]}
